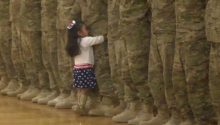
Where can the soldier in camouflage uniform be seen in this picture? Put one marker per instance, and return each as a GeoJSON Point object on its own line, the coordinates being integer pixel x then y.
{"type": "Point", "coordinates": [94, 14]}
{"type": "Point", "coordinates": [30, 27]}
{"type": "Point", "coordinates": [49, 49]}
{"type": "Point", "coordinates": [213, 36]}
{"type": "Point", "coordinates": [114, 58]}
{"type": "Point", "coordinates": [16, 48]}
{"type": "Point", "coordinates": [133, 45]}
{"type": "Point", "coordinates": [4, 77]}
{"type": "Point", "coordinates": [5, 44]}
{"type": "Point", "coordinates": [191, 64]}
{"type": "Point", "coordinates": [64, 69]}
{"type": "Point", "coordinates": [161, 62]}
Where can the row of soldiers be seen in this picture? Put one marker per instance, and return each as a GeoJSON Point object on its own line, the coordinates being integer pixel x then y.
{"type": "Point", "coordinates": [161, 54]}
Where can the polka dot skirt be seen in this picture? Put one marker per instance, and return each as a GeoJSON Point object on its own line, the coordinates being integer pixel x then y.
{"type": "Point", "coordinates": [84, 78]}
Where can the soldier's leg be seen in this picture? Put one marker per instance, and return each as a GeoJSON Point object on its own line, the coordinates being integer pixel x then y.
{"type": "Point", "coordinates": [48, 44]}
{"type": "Point", "coordinates": [3, 74]}
{"type": "Point", "coordinates": [18, 61]}
{"type": "Point", "coordinates": [138, 54]}
{"type": "Point", "coordinates": [196, 50]}
{"type": "Point", "coordinates": [165, 31]}
{"type": "Point", "coordinates": [6, 55]}
{"type": "Point", "coordinates": [4, 22]}
{"type": "Point", "coordinates": [156, 82]}
{"type": "Point", "coordinates": [102, 68]}
{"type": "Point", "coordinates": [214, 76]}
{"type": "Point", "coordinates": [114, 59]}
{"type": "Point", "coordinates": [163, 36]}
{"type": "Point", "coordinates": [130, 93]}
{"type": "Point", "coordinates": [168, 58]}
{"type": "Point", "coordinates": [180, 85]}
{"type": "Point", "coordinates": [197, 79]}
{"type": "Point", "coordinates": [48, 39]}
{"type": "Point", "coordinates": [65, 71]}
{"type": "Point", "coordinates": [212, 30]}
{"type": "Point", "coordinates": [43, 76]}
{"type": "Point", "coordinates": [31, 47]}
{"type": "Point", "coordinates": [5, 44]}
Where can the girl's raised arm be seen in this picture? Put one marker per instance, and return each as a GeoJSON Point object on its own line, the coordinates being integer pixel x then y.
{"type": "Point", "coordinates": [90, 41]}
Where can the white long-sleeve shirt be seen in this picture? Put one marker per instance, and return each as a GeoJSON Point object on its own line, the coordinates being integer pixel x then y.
{"type": "Point", "coordinates": [86, 55]}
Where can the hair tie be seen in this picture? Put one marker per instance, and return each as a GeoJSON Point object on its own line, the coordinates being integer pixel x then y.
{"type": "Point", "coordinates": [70, 26]}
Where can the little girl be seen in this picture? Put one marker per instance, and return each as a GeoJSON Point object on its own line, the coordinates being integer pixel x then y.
{"type": "Point", "coordinates": [79, 47]}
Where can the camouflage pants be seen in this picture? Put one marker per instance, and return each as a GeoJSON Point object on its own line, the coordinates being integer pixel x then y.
{"type": "Point", "coordinates": [134, 50]}
{"type": "Point", "coordinates": [162, 53]}
{"type": "Point", "coordinates": [113, 42]}
{"type": "Point", "coordinates": [6, 45]}
{"type": "Point", "coordinates": [31, 53]}
{"type": "Point", "coordinates": [192, 61]}
{"type": "Point", "coordinates": [49, 55]}
{"type": "Point", "coordinates": [160, 69]}
{"type": "Point", "coordinates": [2, 67]}
{"type": "Point", "coordinates": [64, 63]}
{"type": "Point", "coordinates": [16, 54]}
{"type": "Point", "coordinates": [214, 75]}
{"type": "Point", "coordinates": [102, 68]}
{"type": "Point", "coordinates": [191, 80]}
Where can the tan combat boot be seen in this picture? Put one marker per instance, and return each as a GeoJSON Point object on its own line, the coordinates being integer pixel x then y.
{"type": "Point", "coordinates": [57, 99]}
{"type": "Point", "coordinates": [30, 93]}
{"type": "Point", "coordinates": [43, 93]}
{"type": "Point", "coordinates": [161, 118]}
{"type": "Point", "coordinates": [68, 102]}
{"type": "Point", "coordinates": [145, 114]}
{"type": "Point", "coordinates": [3, 82]}
{"type": "Point", "coordinates": [12, 86]}
{"type": "Point", "coordinates": [44, 100]}
{"type": "Point", "coordinates": [128, 114]}
{"type": "Point", "coordinates": [20, 90]}
{"type": "Point", "coordinates": [103, 107]}
{"type": "Point", "coordinates": [175, 118]}
{"type": "Point", "coordinates": [116, 110]}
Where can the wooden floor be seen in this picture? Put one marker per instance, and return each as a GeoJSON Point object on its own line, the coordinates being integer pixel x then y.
{"type": "Point", "coordinates": [15, 112]}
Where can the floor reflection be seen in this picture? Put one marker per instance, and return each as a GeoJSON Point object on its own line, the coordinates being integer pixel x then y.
{"type": "Point", "coordinates": [15, 112]}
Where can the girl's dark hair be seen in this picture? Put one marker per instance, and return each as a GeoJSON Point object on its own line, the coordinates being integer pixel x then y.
{"type": "Point", "coordinates": [72, 46]}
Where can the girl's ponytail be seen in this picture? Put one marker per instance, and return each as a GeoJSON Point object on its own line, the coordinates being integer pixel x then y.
{"type": "Point", "coordinates": [72, 46]}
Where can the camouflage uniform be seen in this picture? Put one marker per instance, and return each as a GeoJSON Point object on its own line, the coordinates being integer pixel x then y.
{"type": "Point", "coordinates": [114, 48]}
{"type": "Point", "coordinates": [94, 14]}
{"type": "Point", "coordinates": [64, 61]}
{"type": "Point", "coordinates": [113, 36]}
{"type": "Point", "coordinates": [190, 73]}
{"type": "Point", "coordinates": [134, 15]}
{"type": "Point", "coordinates": [16, 52]}
{"type": "Point", "coordinates": [133, 52]}
{"type": "Point", "coordinates": [30, 27]}
{"type": "Point", "coordinates": [161, 58]}
{"type": "Point", "coordinates": [212, 32]}
{"type": "Point", "coordinates": [3, 73]}
{"type": "Point", "coordinates": [6, 45]}
{"type": "Point", "coordinates": [63, 72]}
{"type": "Point", "coordinates": [49, 46]}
